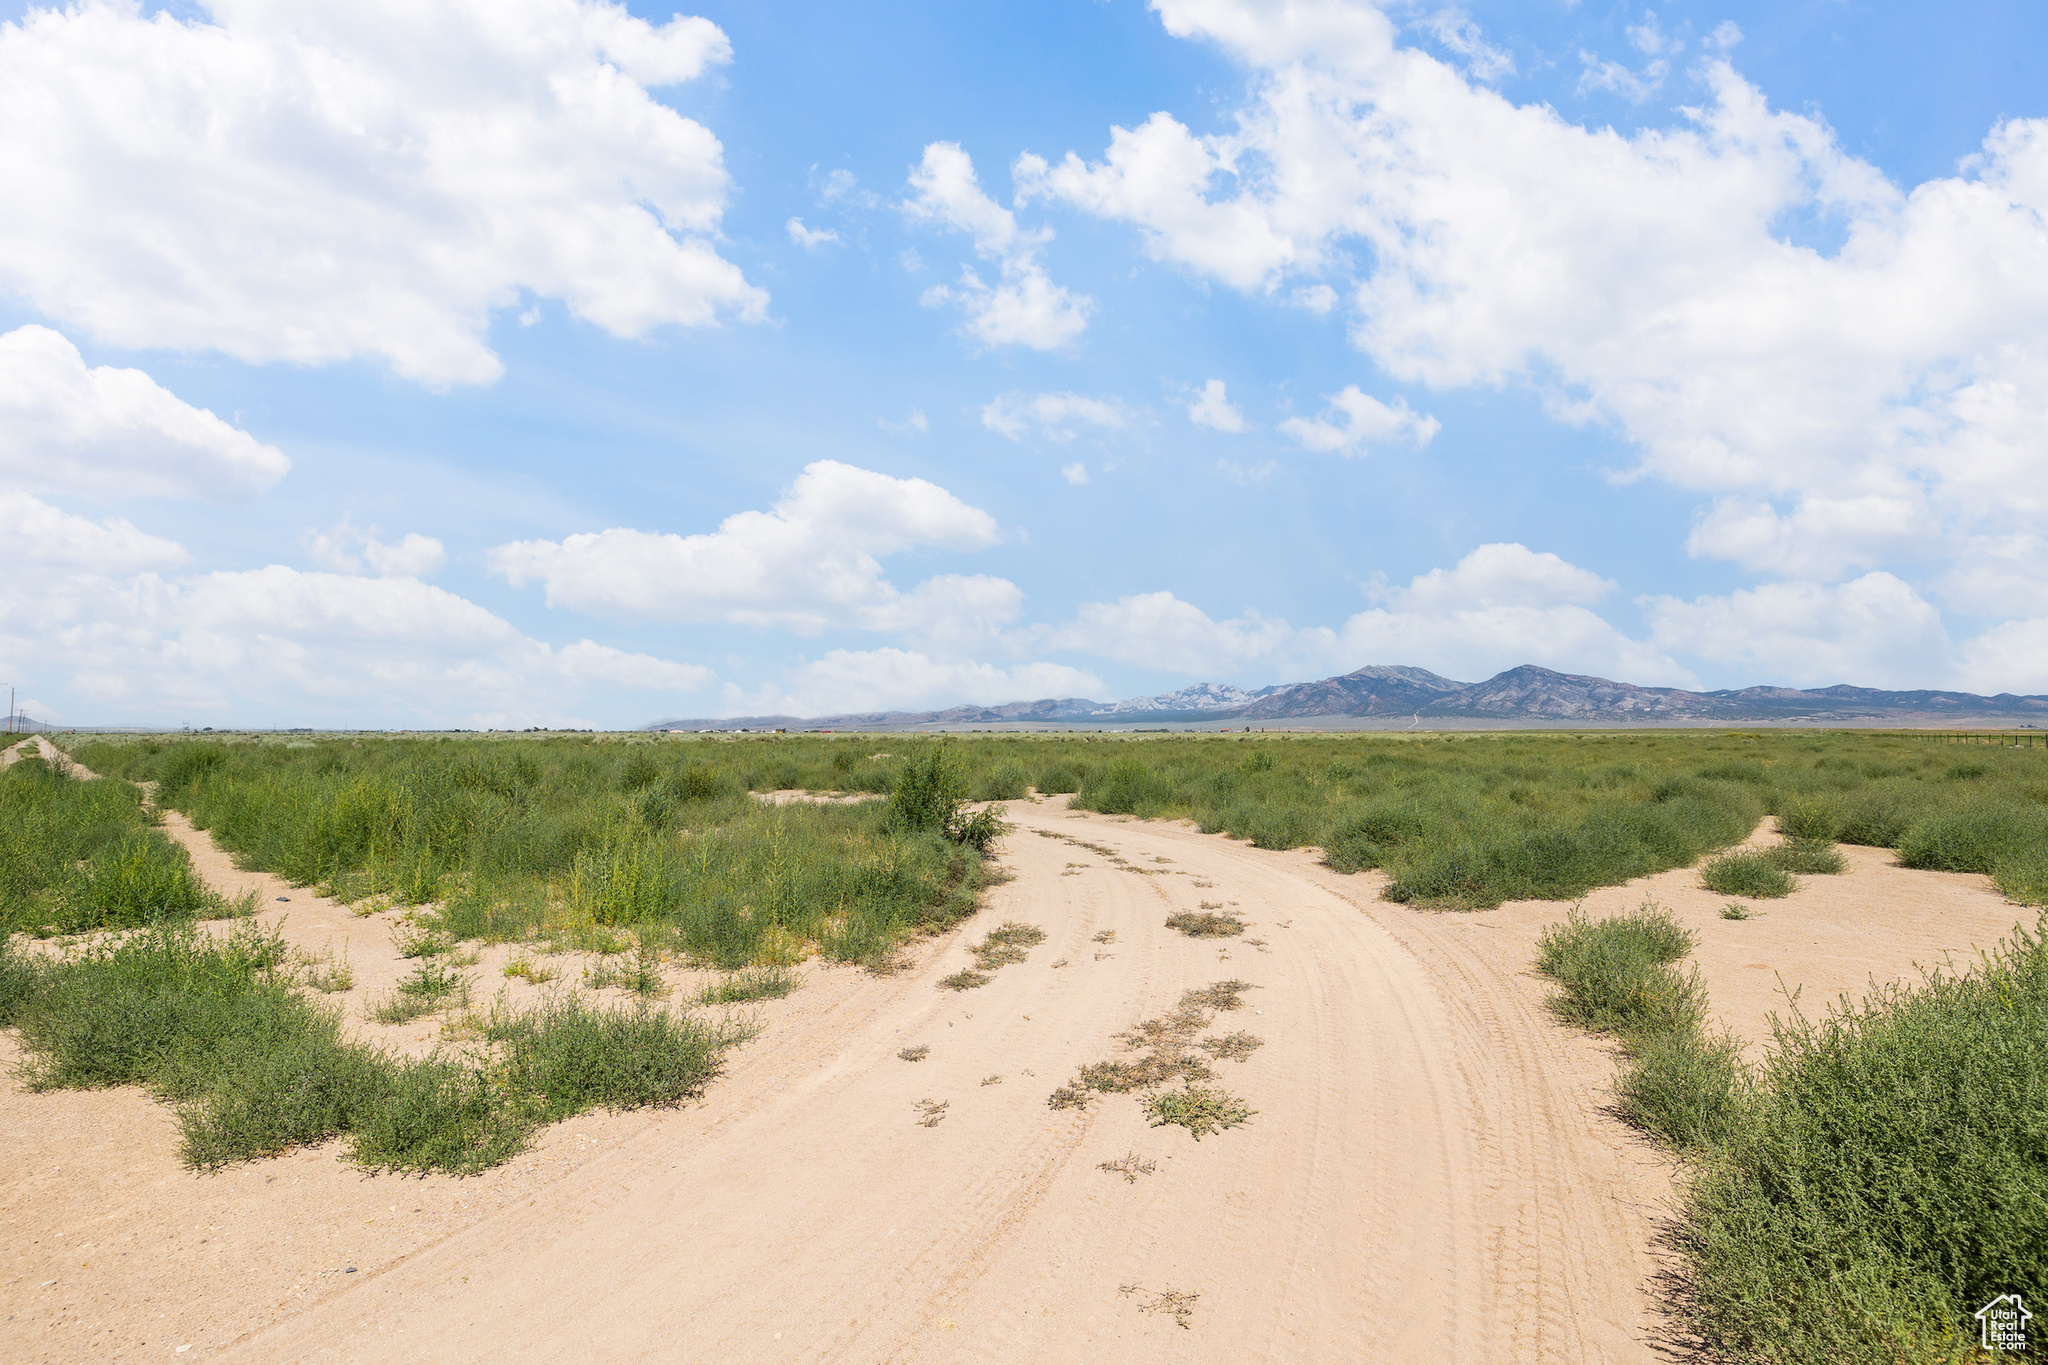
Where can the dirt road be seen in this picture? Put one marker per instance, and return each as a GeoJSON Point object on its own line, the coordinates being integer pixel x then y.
{"type": "Point", "coordinates": [1427, 1175]}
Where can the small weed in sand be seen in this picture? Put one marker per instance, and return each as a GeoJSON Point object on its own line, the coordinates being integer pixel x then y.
{"type": "Point", "coordinates": [1006, 944]}
{"type": "Point", "coordinates": [1162, 860]}
{"type": "Point", "coordinates": [430, 986]}
{"type": "Point", "coordinates": [930, 1112]}
{"type": "Point", "coordinates": [1205, 924]}
{"type": "Point", "coordinates": [1170, 1301]}
{"type": "Point", "coordinates": [1200, 1109]}
{"type": "Point", "coordinates": [1232, 1047]}
{"type": "Point", "coordinates": [1106, 936]}
{"type": "Point", "coordinates": [1206, 886]}
{"type": "Point", "coordinates": [642, 976]}
{"type": "Point", "coordinates": [753, 983]}
{"type": "Point", "coordinates": [965, 979]}
{"type": "Point", "coordinates": [991, 1080]}
{"type": "Point", "coordinates": [413, 939]}
{"type": "Point", "coordinates": [1073, 869]}
{"type": "Point", "coordinates": [329, 975]}
{"type": "Point", "coordinates": [1048, 834]}
{"type": "Point", "coordinates": [1130, 1166]}
{"type": "Point", "coordinates": [1222, 995]}
{"type": "Point", "coordinates": [915, 1054]}
{"type": "Point", "coordinates": [526, 969]}
{"type": "Point", "coordinates": [1068, 1097]}
{"type": "Point", "coordinates": [1737, 910]}
{"type": "Point", "coordinates": [1061, 963]}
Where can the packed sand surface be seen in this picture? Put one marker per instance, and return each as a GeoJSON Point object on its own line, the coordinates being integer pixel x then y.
{"type": "Point", "coordinates": [1430, 1173]}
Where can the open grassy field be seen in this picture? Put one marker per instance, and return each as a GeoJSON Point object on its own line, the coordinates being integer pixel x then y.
{"type": "Point", "coordinates": [582, 841]}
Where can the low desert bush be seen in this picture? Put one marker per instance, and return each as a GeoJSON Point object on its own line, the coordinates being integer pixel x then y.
{"type": "Point", "coordinates": [1888, 1175]}
{"type": "Point", "coordinates": [217, 1025]}
{"type": "Point", "coordinates": [1617, 973]}
{"type": "Point", "coordinates": [1808, 857]}
{"type": "Point", "coordinates": [751, 983]}
{"type": "Point", "coordinates": [1756, 875]}
{"type": "Point", "coordinates": [1205, 924]}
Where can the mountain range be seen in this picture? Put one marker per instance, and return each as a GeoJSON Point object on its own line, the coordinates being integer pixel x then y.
{"type": "Point", "coordinates": [1386, 692]}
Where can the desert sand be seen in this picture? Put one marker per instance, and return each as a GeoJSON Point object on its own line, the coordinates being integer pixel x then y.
{"type": "Point", "coordinates": [1431, 1172]}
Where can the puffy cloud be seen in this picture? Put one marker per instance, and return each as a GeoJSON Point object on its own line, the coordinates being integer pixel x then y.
{"type": "Point", "coordinates": [1456, 31]}
{"type": "Point", "coordinates": [1075, 473]}
{"type": "Point", "coordinates": [810, 239]}
{"type": "Point", "coordinates": [1212, 409]}
{"type": "Point", "coordinates": [347, 548]}
{"type": "Point", "coordinates": [905, 680]}
{"type": "Point", "coordinates": [1356, 421]}
{"type": "Point", "coordinates": [35, 536]}
{"type": "Point", "coordinates": [1500, 606]}
{"type": "Point", "coordinates": [1501, 576]}
{"type": "Point", "coordinates": [1055, 416]}
{"type": "Point", "coordinates": [1878, 396]}
{"type": "Point", "coordinates": [140, 646]}
{"type": "Point", "coordinates": [1158, 630]}
{"type": "Point", "coordinates": [2010, 657]}
{"type": "Point", "coordinates": [66, 427]}
{"type": "Point", "coordinates": [1872, 631]}
{"type": "Point", "coordinates": [1025, 308]}
{"type": "Point", "coordinates": [809, 564]}
{"type": "Point", "coordinates": [320, 180]}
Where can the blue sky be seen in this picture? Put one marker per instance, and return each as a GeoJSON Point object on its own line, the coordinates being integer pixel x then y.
{"type": "Point", "coordinates": [541, 362]}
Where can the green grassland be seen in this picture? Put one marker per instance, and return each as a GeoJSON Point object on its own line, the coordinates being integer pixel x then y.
{"type": "Point", "coordinates": [77, 856]}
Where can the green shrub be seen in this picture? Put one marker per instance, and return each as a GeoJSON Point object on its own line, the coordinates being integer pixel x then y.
{"type": "Point", "coordinates": [1746, 874]}
{"type": "Point", "coordinates": [1007, 780]}
{"type": "Point", "coordinates": [1889, 1175]}
{"type": "Point", "coordinates": [578, 1057]}
{"type": "Point", "coordinates": [435, 1115]}
{"type": "Point", "coordinates": [1616, 972]}
{"type": "Point", "coordinates": [1127, 786]}
{"type": "Point", "coordinates": [1976, 838]}
{"type": "Point", "coordinates": [1810, 857]}
{"type": "Point", "coordinates": [1682, 1087]}
{"type": "Point", "coordinates": [1058, 780]}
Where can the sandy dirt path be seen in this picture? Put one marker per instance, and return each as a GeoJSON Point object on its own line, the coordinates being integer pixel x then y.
{"type": "Point", "coordinates": [1428, 1170]}
{"type": "Point", "coordinates": [1430, 1173]}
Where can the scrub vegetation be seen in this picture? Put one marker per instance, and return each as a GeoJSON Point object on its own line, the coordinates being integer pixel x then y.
{"type": "Point", "coordinates": [83, 855]}
{"type": "Point", "coordinates": [1879, 1176]}
{"type": "Point", "coordinates": [1468, 821]}
{"type": "Point", "coordinates": [588, 843]}
{"type": "Point", "coordinates": [220, 1026]}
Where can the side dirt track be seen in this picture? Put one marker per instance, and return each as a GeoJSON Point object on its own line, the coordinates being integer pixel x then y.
{"type": "Point", "coordinates": [1430, 1173]}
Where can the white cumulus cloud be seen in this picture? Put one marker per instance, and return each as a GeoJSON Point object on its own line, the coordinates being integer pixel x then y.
{"type": "Point", "coordinates": [1212, 408]}
{"type": "Point", "coordinates": [1500, 606]}
{"type": "Point", "coordinates": [347, 548]}
{"type": "Point", "coordinates": [811, 563]}
{"type": "Point", "coordinates": [1053, 416]}
{"type": "Point", "coordinates": [810, 239]}
{"type": "Point", "coordinates": [1874, 631]}
{"type": "Point", "coordinates": [1024, 307]}
{"type": "Point", "coordinates": [320, 180]}
{"type": "Point", "coordinates": [1356, 422]}
{"type": "Point", "coordinates": [66, 427]}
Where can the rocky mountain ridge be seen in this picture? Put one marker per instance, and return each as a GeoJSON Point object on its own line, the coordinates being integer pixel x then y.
{"type": "Point", "coordinates": [1390, 691]}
